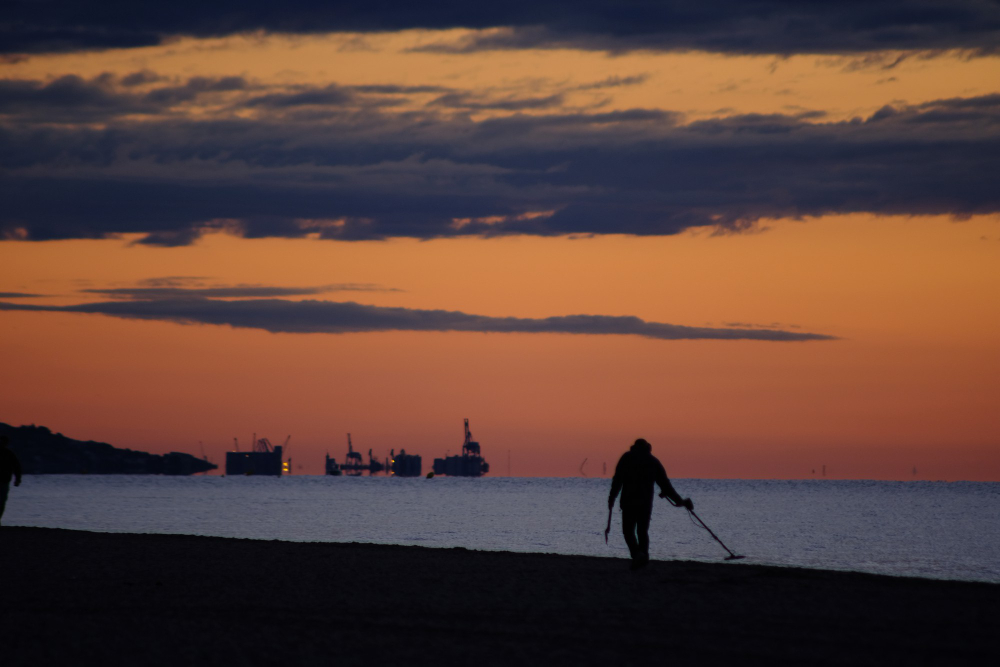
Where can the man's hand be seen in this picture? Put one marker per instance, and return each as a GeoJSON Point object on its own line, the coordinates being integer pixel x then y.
{"type": "Point", "coordinates": [17, 482]}
{"type": "Point", "coordinates": [688, 503]}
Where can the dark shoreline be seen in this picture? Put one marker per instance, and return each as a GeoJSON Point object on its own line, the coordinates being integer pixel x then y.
{"type": "Point", "coordinates": [76, 597]}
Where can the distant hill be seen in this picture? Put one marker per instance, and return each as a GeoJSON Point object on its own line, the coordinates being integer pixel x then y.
{"type": "Point", "coordinates": [43, 452]}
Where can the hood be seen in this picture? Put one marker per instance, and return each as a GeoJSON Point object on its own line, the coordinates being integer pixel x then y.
{"type": "Point", "coordinates": [641, 447]}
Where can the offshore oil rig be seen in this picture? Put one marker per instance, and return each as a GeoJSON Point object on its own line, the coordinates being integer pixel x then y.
{"type": "Point", "coordinates": [353, 463]}
{"type": "Point", "coordinates": [469, 464]}
{"type": "Point", "coordinates": [404, 465]}
{"type": "Point", "coordinates": [263, 459]}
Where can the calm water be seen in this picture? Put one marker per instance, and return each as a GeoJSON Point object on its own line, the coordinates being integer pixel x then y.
{"type": "Point", "coordinates": [927, 529]}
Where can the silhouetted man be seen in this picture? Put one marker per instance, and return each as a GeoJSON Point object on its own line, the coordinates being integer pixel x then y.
{"type": "Point", "coordinates": [9, 467]}
{"type": "Point", "coordinates": [635, 475]}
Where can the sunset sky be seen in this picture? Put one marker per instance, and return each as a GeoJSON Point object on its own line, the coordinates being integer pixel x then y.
{"type": "Point", "coordinates": [765, 236]}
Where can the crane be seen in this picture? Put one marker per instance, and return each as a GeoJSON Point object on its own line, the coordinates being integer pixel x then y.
{"type": "Point", "coordinates": [469, 446]}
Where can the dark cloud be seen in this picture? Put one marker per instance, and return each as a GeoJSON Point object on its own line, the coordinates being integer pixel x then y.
{"type": "Point", "coordinates": [171, 238]}
{"type": "Point", "coordinates": [18, 295]}
{"type": "Point", "coordinates": [73, 99]}
{"type": "Point", "coordinates": [195, 86]}
{"type": "Point", "coordinates": [981, 102]}
{"type": "Point", "coordinates": [329, 95]}
{"type": "Point", "coordinates": [70, 98]}
{"type": "Point", "coordinates": [383, 89]}
{"type": "Point", "coordinates": [173, 281]}
{"type": "Point", "coordinates": [424, 174]}
{"type": "Point", "coordinates": [368, 96]}
{"type": "Point", "coordinates": [140, 78]}
{"type": "Point", "coordinates": [230, 292]}
{"type": "Point", "coordinates": [480, 102]}
{"type": "Point", "coordinates": [751, 325]}
{"type": "Point", "coordinates": [727, 26]}
{"type": "Point", "coordinates": [280, 316]}
{"type": "Point", "coordinates": [614, 82]}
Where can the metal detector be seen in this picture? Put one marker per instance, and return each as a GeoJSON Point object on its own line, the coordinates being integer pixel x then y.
{"type": "Point", "coordinates": [731, 556]}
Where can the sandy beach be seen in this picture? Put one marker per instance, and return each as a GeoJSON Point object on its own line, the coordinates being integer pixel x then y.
{"type": "Point", "coordinates": [72, 597]}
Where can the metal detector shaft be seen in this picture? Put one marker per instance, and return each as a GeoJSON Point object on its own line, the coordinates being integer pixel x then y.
{"type": "Point", "coordinates": [731, 554]}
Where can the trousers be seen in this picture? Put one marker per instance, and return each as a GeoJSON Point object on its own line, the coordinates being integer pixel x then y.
{"type": "Point", "coordinates": [4, 490]}
{"type": "Point", "coordinates": [635, 525]}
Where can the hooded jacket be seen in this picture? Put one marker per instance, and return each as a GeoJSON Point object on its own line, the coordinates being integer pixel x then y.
{"type": "Point", "coordinates": [637, 471]}
{"type": "Point", "coordinates": [9, 466]}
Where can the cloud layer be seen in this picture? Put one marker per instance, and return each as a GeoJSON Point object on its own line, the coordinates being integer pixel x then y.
{"type": "Point", "coordinates": [329, 317]}
{"type": "Point", "coordinates": [90, 158]}
{"type": "Point", "coordinates": [234, 292]}
{"type": "Point", "coordinates": [727, 26]}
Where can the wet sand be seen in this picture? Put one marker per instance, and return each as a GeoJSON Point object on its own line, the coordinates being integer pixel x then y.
{"type": "Point", "coordinates": [82, 598]}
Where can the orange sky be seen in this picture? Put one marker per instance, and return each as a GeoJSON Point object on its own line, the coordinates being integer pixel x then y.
{"type": "Point", "coordinates": [913, 379]}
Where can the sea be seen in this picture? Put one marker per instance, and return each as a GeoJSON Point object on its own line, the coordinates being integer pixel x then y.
{"type": "Point", "coordinates": [940, 530]}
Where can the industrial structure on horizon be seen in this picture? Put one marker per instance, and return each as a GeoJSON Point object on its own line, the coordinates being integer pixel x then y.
{"type": "Point", "coordinates": [469, 463]}
{"type": "Point", "coordinates": [266, 459]}
{"type": "Point", "coordinates": [353, 463]}
{"type": "Point", "coordinates": [405, 465]}
{"type": "Point", "coordinates": [263, 459]}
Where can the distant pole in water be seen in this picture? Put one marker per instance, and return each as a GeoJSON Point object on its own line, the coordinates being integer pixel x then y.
{"type": "Point", "coordinates": [605, 473]}
{"type": "Point", "coordinates": [508, 463]}
{"type": "Point", "coordinates": [581, 468]}
{"type": "Point", "coordinates": [914, 471]}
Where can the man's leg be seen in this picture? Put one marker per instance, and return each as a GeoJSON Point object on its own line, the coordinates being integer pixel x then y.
{"type": "Point", "coordinates": [642, 528]}
{"type": "Point", "coordinates": [629, 519]}
{"type": "Point", "coordinates": [4, 490]}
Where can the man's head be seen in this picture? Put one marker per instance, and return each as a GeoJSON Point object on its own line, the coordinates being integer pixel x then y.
{"type": "Point", "coordinates": [642, 446]}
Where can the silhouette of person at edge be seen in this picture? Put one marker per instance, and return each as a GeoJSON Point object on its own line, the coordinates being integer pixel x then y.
{"type": "Point", "coordinates": [9, 466]}
{"type": "Point", "coordinates": [635, 475]}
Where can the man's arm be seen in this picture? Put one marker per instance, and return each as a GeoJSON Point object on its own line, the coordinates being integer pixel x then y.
{"type": "Point", "coordinates": [617, 481]}
{"type": "Point", "coordinates": [667, 489]}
